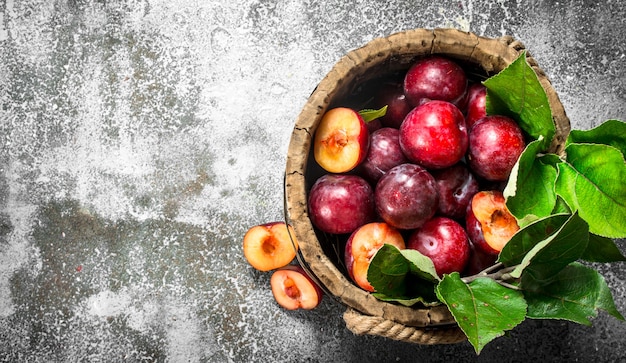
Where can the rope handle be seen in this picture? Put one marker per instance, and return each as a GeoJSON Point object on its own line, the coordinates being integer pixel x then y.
{"type": "Point", "coordinates": [361, 324]}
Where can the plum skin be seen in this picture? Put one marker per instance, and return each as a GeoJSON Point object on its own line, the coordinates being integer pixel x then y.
{"type": "Point", "coordinates": [476, 104]}
{"type": "Point", "coordinates": [495, 144]}
{"type": "Point", "coordinates": [434, 135]}
{"type": "Point", "coordinates": [406, 196]}
{"type": "Point", "coordinates": [392, 96]}
{"type": "Point", "coordinates": [478, 260]}
{"type": "Point", "coordinates": [456, 186]}
{"type": "Point", "coordinates": [445, 242]}
{"type": "Point", "coordinates": [384, 153]}
{"type": "Point", "coordinates": [435, 78]}
{"type": "Point", "coordinates": [340, 203]}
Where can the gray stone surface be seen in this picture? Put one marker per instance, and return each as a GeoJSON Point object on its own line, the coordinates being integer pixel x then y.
{"type": "Point", "coordinates": [140, 139]}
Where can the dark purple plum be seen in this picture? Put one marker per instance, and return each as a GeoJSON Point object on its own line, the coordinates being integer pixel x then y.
{"type": "Point", "coordinates": [374, 125]}
{"type": "Point", "coordinates": [340, 203]}
{"type": "Point", "coordinates": [392, 96]}
{"type": "Point", "coordinates": [478, 260]}
{"type": "Point", "coordinates": [384, 153]}
{"type": "Point", "coordinates": [456, 186]}
{"type": "Point", "coordinates": [406, 197]}
{"type": "Point", "coordinates": [435, 78]}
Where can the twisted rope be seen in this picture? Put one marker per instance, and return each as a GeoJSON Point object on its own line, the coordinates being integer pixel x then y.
{"type": "Point", "coordinates": [361, 324]}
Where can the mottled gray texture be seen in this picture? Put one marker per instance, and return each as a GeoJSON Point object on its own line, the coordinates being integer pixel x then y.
{"type": "Point", "coordinates": [140, 139]}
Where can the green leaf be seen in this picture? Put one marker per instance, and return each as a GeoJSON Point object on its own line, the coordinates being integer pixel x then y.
{"type": "Point", "coordinates": [550, 159]}
{"type": "Point", "coordinates": [610, 132]}
{"type": "Point", "coordinates": [516, 92]}
{"type": "Point", "coordinates": [592, 181]}
{"type": "Point", "coordinates": [425, 295]}
{"type": "Point", "coordinates": [387, 271]}
{"type": "Point", "coordinates": [530, 191]}
{"type": "Point", "coordinates": [406, 301]}
{"type": "Point", "coordinates": [602, 249]}
{"type": "Point", "coordinates": [402, 274]}
{"type": "Point", "coordinates": [483, 308]}
{"type": "Point", "coordinates": [575, 294]}
{"type": "Point", "coordinates": [420, 265]}
{"type": "Point", "coordinates": [599, 249]}
{"type": "Point", "coordinates": [529, 236]}
{"type": "Point", "coordinates": [371, 114]}
{"type": "Point", "coordinates": [561, 206]}
{"type": "Point", "coordinates": [551, 255]}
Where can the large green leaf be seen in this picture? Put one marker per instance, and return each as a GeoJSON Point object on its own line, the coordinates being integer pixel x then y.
{"type": "Point", "coordinates": [483, 308]}
{"type": "Point", "coordinates": [593, 181]}
{"type": "Point", "coordinates": [551, 255]}
{"type": "Point", "coordinates": [575, 294]}
{"type": "Point", "coordinates": [529, 236]}
{"type": "Point", "coordinates": [517, 92]}
{"type": "Point", "coordinates": [530, 191]}
{"type": "Point", "coordinates": [610, 132]}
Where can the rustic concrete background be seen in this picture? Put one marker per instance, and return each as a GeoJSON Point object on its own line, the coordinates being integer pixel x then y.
{"type": "Point", "coordinates": [139, 140]}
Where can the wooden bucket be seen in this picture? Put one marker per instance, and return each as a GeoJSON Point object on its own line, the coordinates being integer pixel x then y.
{"type": "Point", "coordinates": [320, 254]}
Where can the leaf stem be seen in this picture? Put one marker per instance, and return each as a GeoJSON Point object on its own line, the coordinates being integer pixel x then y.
{"type": "Point", "coordinates": [501, 275]}
{"type": "Point", "coordinates": [507, 285]}
{"type": "Point", "coordinates": [491, 268]}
